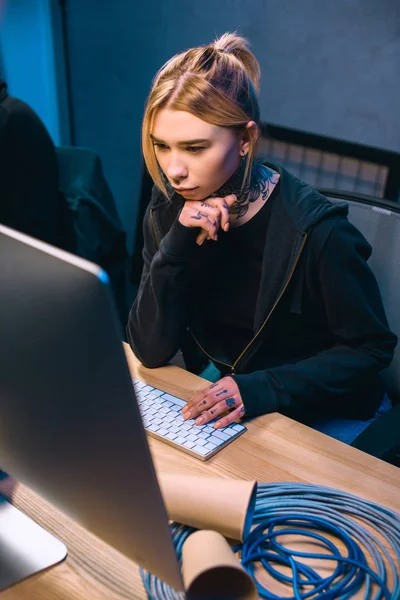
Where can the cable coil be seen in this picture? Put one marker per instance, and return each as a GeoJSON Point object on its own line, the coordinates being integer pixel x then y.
{"type": "Point", "coordinates": [311, 511]}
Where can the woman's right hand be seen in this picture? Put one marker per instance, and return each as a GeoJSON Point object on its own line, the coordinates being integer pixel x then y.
{"type": "Point", "coordinates": [209, 214]}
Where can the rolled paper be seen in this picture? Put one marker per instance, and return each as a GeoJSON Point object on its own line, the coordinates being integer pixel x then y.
{"type": "Point", "coordinates": [223, 505]}
{"type": "Point", "coordinates": [211, 571]}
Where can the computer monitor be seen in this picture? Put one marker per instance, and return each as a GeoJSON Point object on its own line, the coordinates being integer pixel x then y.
{"type": "Point", "coordinates": [70, 427]}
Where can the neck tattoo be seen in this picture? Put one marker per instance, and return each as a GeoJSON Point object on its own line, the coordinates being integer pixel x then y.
{"type": "Point", "coordinates": [261, 181]}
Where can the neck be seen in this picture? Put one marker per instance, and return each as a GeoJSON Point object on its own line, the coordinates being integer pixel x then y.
{"type": "Point", "coordinates": [234, 183]}
{"type": "Point", "coordinates": [251, 197]}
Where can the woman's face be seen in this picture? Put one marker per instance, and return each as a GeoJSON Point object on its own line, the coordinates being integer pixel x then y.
{"type": "Point", "coordinates": [196, 157]}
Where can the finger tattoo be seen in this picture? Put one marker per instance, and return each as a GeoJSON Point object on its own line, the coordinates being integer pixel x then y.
{"type": "Point", "coordinates": [223, 392]}
{"type": "Point", "coordinates": [230, 402]}
{"type": "Point", "coordinates": [199, 216]}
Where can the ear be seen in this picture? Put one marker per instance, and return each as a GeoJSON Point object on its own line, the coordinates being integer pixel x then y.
{"type": "Point", "coordinates": [249, 137]}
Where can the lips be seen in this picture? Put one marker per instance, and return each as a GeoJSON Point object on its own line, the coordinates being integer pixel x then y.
{"type": "Point", "coordinates": [185, 189]}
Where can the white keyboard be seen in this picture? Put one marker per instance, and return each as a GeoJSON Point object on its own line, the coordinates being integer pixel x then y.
{"type": "Point", "coordinates": [162, 419]}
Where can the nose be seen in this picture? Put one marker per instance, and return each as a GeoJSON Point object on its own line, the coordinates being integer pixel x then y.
{"type": "Point", "coordinates": [176, 169]}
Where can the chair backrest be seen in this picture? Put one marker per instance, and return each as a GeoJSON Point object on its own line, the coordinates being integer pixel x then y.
{"type": "Point", "coordinates": [332, 164]}
{"type": "Point", "coordinates": [379, 222]}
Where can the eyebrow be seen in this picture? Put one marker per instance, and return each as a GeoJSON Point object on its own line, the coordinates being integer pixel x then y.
{"type": "Point", "coordinates": [182, 143]}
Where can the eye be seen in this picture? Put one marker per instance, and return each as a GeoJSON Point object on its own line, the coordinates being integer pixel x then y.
{"type": "Point", "coordinates": [195, 149]}
{"type": "Point", "coordinates": [160, 146]}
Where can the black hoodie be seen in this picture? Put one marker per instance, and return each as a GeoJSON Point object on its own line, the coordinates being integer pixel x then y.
{"type": "Point", "coordinates": [29, 196]}
{"type": "Point", "coordinates": [320, 331]}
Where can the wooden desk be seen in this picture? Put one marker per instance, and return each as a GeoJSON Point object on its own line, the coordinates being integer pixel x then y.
{"type": "Point", "coordinates": [275, 448]}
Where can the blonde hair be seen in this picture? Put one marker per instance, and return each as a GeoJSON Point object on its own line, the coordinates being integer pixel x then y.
{"type": "Point", "coordinates": [218, 83]}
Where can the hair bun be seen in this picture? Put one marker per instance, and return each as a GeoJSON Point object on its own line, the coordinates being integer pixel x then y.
{"type": "Point", "coordinates": [238, 46]}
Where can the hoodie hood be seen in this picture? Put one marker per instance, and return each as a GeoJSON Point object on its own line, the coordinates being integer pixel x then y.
{"type": "Point", "coordinates": [304, 204]}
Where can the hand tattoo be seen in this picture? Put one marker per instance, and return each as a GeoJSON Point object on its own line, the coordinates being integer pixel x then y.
{"type": "Point", "coordinates": [199, 216]}
{"type": "Point", "coordinates": [230, 402]}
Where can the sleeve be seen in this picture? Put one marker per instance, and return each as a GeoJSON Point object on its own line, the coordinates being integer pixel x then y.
{"type": "Point", "coordinates": [159, 315]}
{"type": "Point", "coordinates": [363, 343]}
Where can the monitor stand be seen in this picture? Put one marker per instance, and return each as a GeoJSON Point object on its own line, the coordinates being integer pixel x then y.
{"type": "Point", "coordinates": [25, 547]}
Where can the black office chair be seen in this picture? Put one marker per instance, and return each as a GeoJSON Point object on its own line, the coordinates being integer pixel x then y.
{"type": "Point", "coordinates": [96, 232]}
{"type": "Point", "coordinates": [332, 164]}
{"type": "Point", "coordinates": [379, 222]}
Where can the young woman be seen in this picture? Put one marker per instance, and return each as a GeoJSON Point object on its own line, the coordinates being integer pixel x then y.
{"type": "Point", "coordinates": [263, 274]}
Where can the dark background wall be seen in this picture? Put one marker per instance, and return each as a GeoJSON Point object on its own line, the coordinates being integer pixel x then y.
{"type": "Point", "coordinates": [329, 67]}
{"type": "Point", "coordinates": [32, 60]}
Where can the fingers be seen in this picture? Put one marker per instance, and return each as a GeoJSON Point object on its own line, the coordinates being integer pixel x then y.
{"type": "Point", "coordinates": [215, 400]}
{"type": "Point", "coordinates": [233, 416]}
{"type": "Point", "coordinates": [213, 394]}
{"type": "Point", "coordinates": [202, 237]}
{"type": "Point", "coordinates": [212, 211]}
{"type": "Point", "coordinates": [209, 215]}
{"type": "Point", "coordinates": [223, 205]}
{"type": "Point", "coordinates": [221, 407]}
{"type": "Point", "coordinates": [206, 399]}
{"type": "Point", "coordinates": [206, 223]}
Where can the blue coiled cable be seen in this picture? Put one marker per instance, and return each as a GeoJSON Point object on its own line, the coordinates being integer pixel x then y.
{"type": "Point", "coordinates": [311, 511]}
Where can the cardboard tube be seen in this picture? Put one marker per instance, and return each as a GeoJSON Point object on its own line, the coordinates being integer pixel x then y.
{"type": "Point", "coordinates": [223, 505]}
{"type": "Point", "coordinates": [211, 570]}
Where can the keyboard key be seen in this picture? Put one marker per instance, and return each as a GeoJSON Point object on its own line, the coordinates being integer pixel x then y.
{"type": "Point", "coordinates": [237, 427]}
{"type": "Point", "coordinates": [219, 434]}
{"type": "Point", "coordinates": [147, 388]}
{"type": "Point", "coordinates": [208, 429]}
{"type": "Point", "coordinates": [138, 384]}
{"type": "Point", "coordinates": [188, 444]}
{"type": "Point", "coordinates": [153, 427]}
{"type": "Point", "coordinates": [171, 436]}
{"type": "Point", "coordinates": [210, 446]}
{"type": "Point", "coordinates": [200, 442]}
{"type": "Point", "coordinates": [228, 431]}
{"type": "Point", "coordinates": [200, 450]}
{"type": "Point", "coordinates": [174, 400]}
{"type": "Point", "coordinates": [180, 440]}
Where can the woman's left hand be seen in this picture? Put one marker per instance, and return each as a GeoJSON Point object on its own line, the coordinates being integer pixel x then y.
{"type": "Point", "coordinates": [216, 399]}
